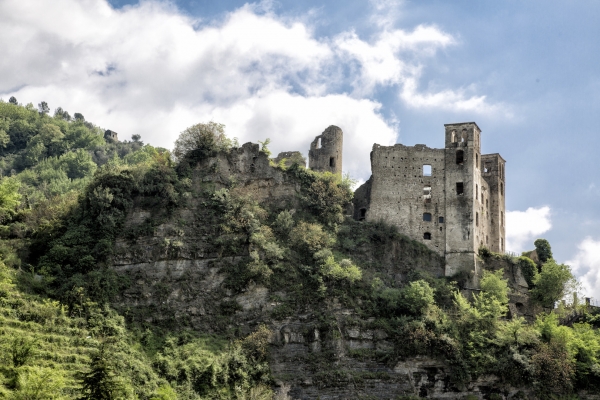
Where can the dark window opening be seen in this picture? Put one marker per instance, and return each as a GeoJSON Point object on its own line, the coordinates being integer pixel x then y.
{"type": "Point", "coordinates": [477, 161]}
{"type": "Point", "coordinates": [427, 236]}
{"type": "Point", "coordinates": [363, 214]}
{"type": "Point", "coordinates": [502, 189]}
{"type": "Point", "coordinates": [459, 188]}
{"type": "Point", "coordinates": [426, 170]}
{"type": "Point", "coordinates": [427, 217]}
{"type": "Point", "coordinates": [476, 219]}
{"type": "Point", "coordinates": [460, 157]}
{"type": "Point", "coordinates": [441, 220]}
{"type": "Point", "coordinates": [332, 161]}
{"type": "Point", "coordinates": [476, 192]}
{"type": "Point", "coordinates": [440, 228]}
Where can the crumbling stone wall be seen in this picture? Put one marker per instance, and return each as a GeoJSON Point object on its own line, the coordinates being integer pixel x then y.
{"type": "Point", "coordinates": [325, 152]}
{"type": "Point", "coordinates": [450, 199]}
{"type": "Point", "coordinates": [290, 158]}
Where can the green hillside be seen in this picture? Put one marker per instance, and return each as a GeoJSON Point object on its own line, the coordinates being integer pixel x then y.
{"type": "Point", "coordinates": [66, 198]}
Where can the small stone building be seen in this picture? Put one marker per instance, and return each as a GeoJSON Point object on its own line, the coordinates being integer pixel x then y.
{"type": "Point", "coordinates": [450, 199]}
{"type": "Point", "coordinates": [111, 136]}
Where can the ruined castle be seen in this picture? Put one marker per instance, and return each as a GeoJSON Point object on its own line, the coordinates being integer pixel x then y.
{"type": "Point", "coordinates": [450, 199]}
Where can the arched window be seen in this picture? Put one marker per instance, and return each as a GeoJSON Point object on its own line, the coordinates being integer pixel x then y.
{"type": "Point", "coordinates": [463, 136]}
{"type": "Point", "coordinates": [363, 214]}
{"type": "Point", "coordinates": [427, 217]}
{"type": "Point", "coordinates": [453, 137]}
{"type": "Point", "coordinates": [460, 157]}
{"type": "Point", "coordinates": [427, 236]}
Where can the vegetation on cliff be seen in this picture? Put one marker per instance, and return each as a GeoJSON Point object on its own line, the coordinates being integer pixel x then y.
{"type": "Point", "coordinates": [66, 201]}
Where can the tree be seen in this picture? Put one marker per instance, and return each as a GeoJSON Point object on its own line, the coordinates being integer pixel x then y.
{"type": "Point", "coordinates": [543, 250]}
{"type": "Point", "coordinates": [62, 114]}
{"type": "Point", "coordinates": [4, 137]}
{"type": "Point", "coordinates": [79, 117]}
{"type": "Point", "coordinates": [201, 140]}
{"type": "Point", "coordinates": [13, 100]}
{"type": "Point", "coordinates": [100, 382]}
{"type": "Point", "coordinates": [43, 108]}
{"type": "Point", "coordinates": [78, 164]}
{"type": "Point", "coordinates": [9, 197]}
{"type": "Point", "coordinates": [38, 383]}
{"type": "Point", "coordinates": [552, 283]}
{"type": "Point", "coordinates": [136, 138]}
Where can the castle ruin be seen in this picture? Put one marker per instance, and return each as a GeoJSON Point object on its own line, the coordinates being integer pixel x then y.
{"type": "Point", "coordinates": [325, 152]}
{"type": "Point", "coordinates": [450, 199]}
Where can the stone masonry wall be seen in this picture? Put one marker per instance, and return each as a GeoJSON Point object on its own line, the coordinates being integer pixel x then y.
{"type": "Point", "coordinates": [450, 199]}
{"type": "Point", "coordinates": [325, 152]}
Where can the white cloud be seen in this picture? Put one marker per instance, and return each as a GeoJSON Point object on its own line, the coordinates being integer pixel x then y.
{"type": "Point", "coordinates": [586, 267]}
{"type": "Point", "coordinates": [151, 70]}
{"type": "Point", "coordinates": [523, 227]}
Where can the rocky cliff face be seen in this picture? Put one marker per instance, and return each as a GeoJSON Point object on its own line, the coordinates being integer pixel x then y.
{"type": "Point", "coordinates": [180, 276]}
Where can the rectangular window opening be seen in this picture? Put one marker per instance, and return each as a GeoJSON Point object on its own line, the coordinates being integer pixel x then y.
{"type": "Point", "coordinates": [441, 220]}
{"type": "Point", "coordinates": [427, 194]}
{"type": "Point", "coordinates": [426, 170]}
{"type": "Point", "coordinates": [332, 161]}
{"type": "Point", "coordinates": [459, 188]}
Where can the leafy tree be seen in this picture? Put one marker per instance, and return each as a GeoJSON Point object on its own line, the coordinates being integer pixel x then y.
{"type": "Point", "coordinates": [22, 350]}
{"type": "Point", "coordinates": [79, 117]}
{"type": "Point", "coordinates": [165, 392]}
{"type": "Point", "coordinates": [552, 283]}
{"type": "Point", "coordinates": [13, 100]}
{"type": "Point", "coordinates": [62, 114]}
{"type": "Point", "coordinates": [38, 383]}
{"type": "Point", "coordinates": [543, 250]}
{"type": "Point", "coordinates": [136, 138]}
{"type": "Point", "coordinates": [9, 197]}
{"type": "Point", "coordinates": [4, 128]}
{"type": "Point", "coordinates": [201, 140]}
{"type": "Point", "coordinates": [78, 164]}
{"type": "Point", "coordinates": [43, 108]}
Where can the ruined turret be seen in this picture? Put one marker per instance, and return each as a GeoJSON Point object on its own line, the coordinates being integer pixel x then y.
{"type": "Point", "coordinates": [325, 152]}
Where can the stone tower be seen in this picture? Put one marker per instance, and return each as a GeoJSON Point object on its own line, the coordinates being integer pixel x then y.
{"type": "Point", "coordinates": [325, 152]}
{"type": "Point", "coordinates": [452, 199]}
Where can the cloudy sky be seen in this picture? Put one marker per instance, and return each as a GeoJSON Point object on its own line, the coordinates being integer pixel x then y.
{"type": "Point", "coordinates": [384, 71]}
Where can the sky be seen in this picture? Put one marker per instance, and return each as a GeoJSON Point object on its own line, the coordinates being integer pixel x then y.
{"type": "Point", "coordinates": [384, 71]}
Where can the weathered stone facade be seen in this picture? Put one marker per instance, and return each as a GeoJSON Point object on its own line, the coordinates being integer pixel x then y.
{"type": "Point", "coordinates": [450, 199]}
{"type": "Point", "coordinates": [325, 152]}
{"type": "Point", "coordinates": [111, 136]}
